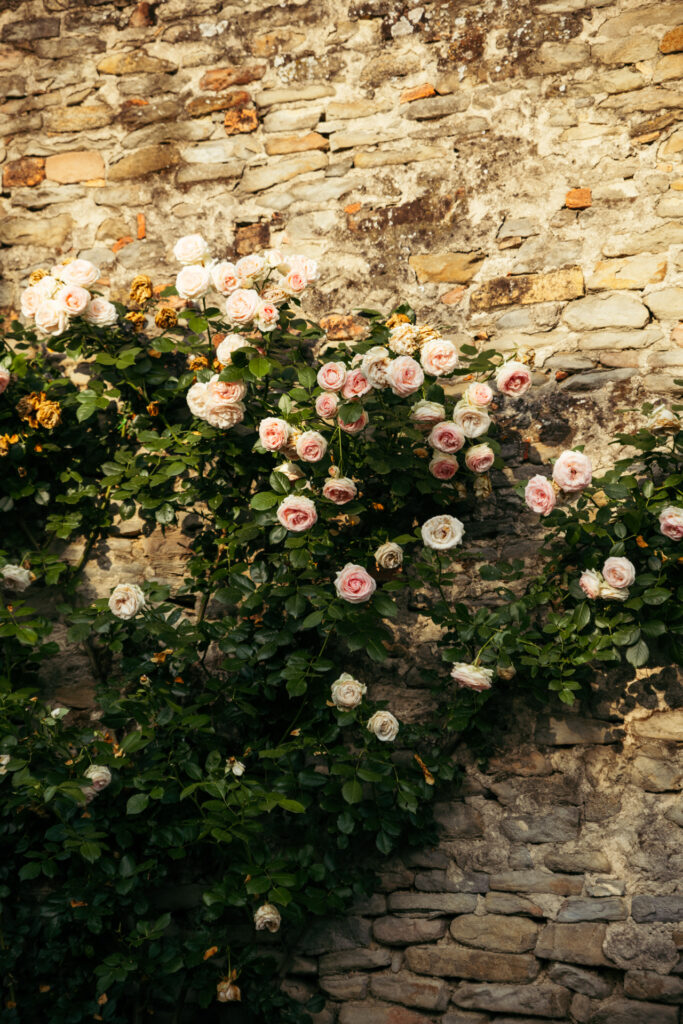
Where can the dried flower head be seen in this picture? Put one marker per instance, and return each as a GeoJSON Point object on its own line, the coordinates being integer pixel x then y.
{"type": "Point", "coordinates": [397, 318]}
{"type": "Point", "coordinates": [48, 414]}
{"type": "Point", "coordinates": [141, 289]}
{"type": "Point", "coordinates": [6, 442]}
{"type": "Point", "coordinates": [137, 319]}
{"type": "Point", "coordinates": [165, 317]}
{"type": "Point", "coordinates": [37, 275]}
{"type": "Point", "coordinates": [197, 362]}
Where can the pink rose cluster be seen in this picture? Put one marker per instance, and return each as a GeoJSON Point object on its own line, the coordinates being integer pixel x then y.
{"type": "Point", "coordinates": [255, 286]}
{"type": "Point", "coordinates": [218, 402]}
{"type": "Point", "coordinates": [612, 583]}
{"type": "Point", "coordinates": [64, 295]}
{"type": "Point", "coordinates": [572, 473]}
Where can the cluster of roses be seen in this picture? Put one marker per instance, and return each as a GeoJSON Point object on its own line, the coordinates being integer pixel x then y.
{"type": "Point", "coordinates": [55, 297]}
{"type": "Point", "coordinates": [256, 285]}
{"type": "Point", "coordinates": [612, 583]}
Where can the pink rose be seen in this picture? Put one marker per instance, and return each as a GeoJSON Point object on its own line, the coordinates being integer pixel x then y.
{"type": "Point", "coordinates": [311, 446]}
{"type": "Point", "coordinates": [305, 266]}
{"type": "Point", "coordinates": [355, 426]}
{"type": "Point", "coordinates": [405, 376]}
{"type": "Point", "coordinates": [241, 307]}
{"type": "Point", "coordinates": [331, 376]}
{"type": "Point", "coordinates": [273, 433]}
{"type": "Point", "coordinates": [326, 405]}
{"type": "Point", "coordinates": [472, 677]}
{"type": "Point", "coordinates": [619, 572]}
{"type": "Point", "coordinates": [80, 272]}
{"type": "Point", "coordinates": [225, 392]}
{"type": "Point", "coordinates": [224, 277]}
{"type": "Point", "coordinates": [225, 416]}
{"type": "Point", "coordinates": [273, 293]}
{"type": "Point", "coordinates": [339, 490]}
{"type": "Point", "coordinates": [671, 522]}
{"type": "Point", "coordinates": [191, 249]}
{"type": "Point", "coordinates": [250, 267]}
{"type": "Point", "coordinates": [375, 364]}
{"type": "Point", "coordinates": [297, 514]}
{"type": "Point", "coordinates": [443, 467]}
{"type": "Point", "coordinates": [193, 281]}
{"type": "Point", "coordinates": [4, 378]}
{"type": "Point", "coordinates": [479, 394]}
{"type": "Point", "coordinates": [479, 458]}
{"type": "Point", "coordinates": [100, 312]}
{"type": "Point", "coordinates": [31, 298]}
{"type": "Point", "coordinates": [472, 420]}
{"type": "Point", "coordinates": [590, 582]}
{"type": "Point", "coordinates": [446, 437]}
{"type": "Point", "coordinates": [51, 318]}
{"type": "Point", "coordinates": [294, 283]}
{"type": "Point", "coordinates": [439, 357]}
{"type": "Point", "coordinates": [354, 584]}
{"type": "Point", "coordinates": [355, 385]}
{"type": "Point", "coordinates": [513, 378]}
{"type": "Point", "coordinates": [539, 495]}
{"type": "Point", "coordinates": [72, 299]}
{"type": "Point", "coordinates": [267, 317]}
{"type": "Point", "coordinates": [572, 471]}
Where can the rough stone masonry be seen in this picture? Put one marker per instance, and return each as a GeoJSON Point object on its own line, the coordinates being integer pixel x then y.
{"type": "Point", "coordinates": [514, 170]}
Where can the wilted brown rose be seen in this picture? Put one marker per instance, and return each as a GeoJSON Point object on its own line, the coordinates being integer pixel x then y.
{"type": "Point", "coordinates": [48, 414]}
{"type": "Point", "coordinates": [140, 289]}
{"type": "Point", "coordinates": [37, 275]}
{"type": "Point", "coordinates": [165, 317]}
{"type": "Point", "coordinates": [136, 319]}
{"type": "Point", "coordinates": [153, 408]}
{"type": "Point", "coordinates": [197, 362]}
{"type": "Point", "coordinates": [28, 406]}
{"type": "Point", "coordinates": [396, 319]}
{"type": "Point", "coordinates": [6, 442]}
{"type": "Point", "coordinates": [427, 333]}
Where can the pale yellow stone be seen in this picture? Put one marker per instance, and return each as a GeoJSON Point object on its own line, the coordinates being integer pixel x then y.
{"type": "Point", "coordinates": [668, 67]}
{"type": "Point", "coordinates": [632, 272]}
{"type": "Point", "coordinates": [451, 267]}
{"type": "Point", "coordinates": [626, 51]}
{"type": "Point", "coordinates": [387, 157]}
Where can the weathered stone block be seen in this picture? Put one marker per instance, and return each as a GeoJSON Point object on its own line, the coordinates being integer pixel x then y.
{"type": "Point", "coordinates": [460, 962]}
{"type": "Point", "coordinates": [222, 78]}
{"type": "Point", "coordinates": [558, 825]}
{"type": "Point", "coordinates": [25, 172]}
{"type": "Point", "coordinates": [446, 903]}
{"type": "Point", "coordinates": [542, 1000]}
{"type": "Point", "coordinates": [667, 304]}
{"type": "Point", "coordinates": [649, 985]}
{"type": "Point", "coordinates": [524, 289]}
{"type": "Point", "coordinates": [373, 1013]}
{"type": "Point", "coordinates": [21, 32]}
{"type": "Point", "coordinates": [506, 903]}
{"type": "Point", "coordinates": [402, 931]}
{"type": "Point", "coordinates": [574, 943]}
{"type": "Point", "coordinates": [646, 947]}
{"type": "Point", "coordinates": [625, 51]}
{"type": "Point", "coordinates": [626, 1011]}
{"type": "Point", "coordinates": [656, 775]}
{"type": "Point", "coordinates": [345, 986]}
{"type": "Point", "coordinates": [672, 41]}
{"type": "Point", "coordinates": [456, 267]}
{"type": "Point", "coordinates": [259, 178]}
{"type": "Point", "coordinates": [657, 908]}
{"type": "Point", "coordinates": [354, 960]}
{"type": "Point", "coordinates": [608, 310]}
{"type": "Point", "coordinates": [437, 106]}
{"type": "Point", "coordinates": [82, 165]}
{"type": "Point", "coordinates": [458, 821]}
{"type": "Point", "coordinates": [537, 881]}
{"type": "Point", "coordinates": [202, 105]}
{"type": "Point", "coordinates": [497, 933]}
{"type": "Point", "coordinates": [240, 121]}
{"type": "Point", "coordinates": [410, 989]}
{"type": "Point", "coordinates": [632, 272]}
{"type": "Point", "coordinates": [661, 725]}
{"type": "Point", "coordinates": [588, 983]}
{"type": "Point", "coordinates": [577, 861]}
{"type": "Point", "coordinates": [396, 157]}
{"type": "Point", "coordinates": [50, 232]}
{"type": "Point", "coordinates": [579, 908]}
{"type": "Point", "coordinates": [327, 935]}
{"type": "Point", "coordinates": [77, 119]}
{"type": "Point", "coordinates": [133, 64]}
{"type": "Point", "coordinates": [296, 144]}
{"type": "Point", "coordinates": [654, 240]}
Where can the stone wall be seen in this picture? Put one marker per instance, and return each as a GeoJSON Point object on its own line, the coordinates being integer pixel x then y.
{"type": "Point", "coordinates": [554, 892]}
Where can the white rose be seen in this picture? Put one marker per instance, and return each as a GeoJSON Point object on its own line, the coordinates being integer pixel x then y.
{"type": "Point", "coordinates": [126, 600]}
{"type": "Point", "coordinates": [99, 775]}
{"type": "Point", "coordinates": [572, 471]}
{"type": "Point", "coordinates": [229, 344]}
{"type": "Point", "coordinates": [306, 267]}
{"type": "Point", "coordinates": [479, 394]}
{"type": "Point", "coordinates": [193, 281]}
{"type": "Point", "coordinates": [405, 376]}
{"type": "Point", "coordinates": [472, 420]}
{"type": "Point", "coordinates": [242, 306]}
{"type": "Point", "coordinates": [472, 677]}
{"type": "Point", "coordinates": [609, 593]}
{"type": "Point", "coordinates": [389, 555]}
{"type": "Point", "coordinates": [661, 419]}
{"type": "Point", "coordinates": [72, 299]}
{"type": "Point", "coordinates": [671, 522]}
{"type": "Point", "coordinates": [249, 268]}
{"type": "Point", "coordinates": [237, 768]}
{"type": "Point", "coordinates": [16, 578]}
{"type": "Point", "coordinates": [439, 357]}
{"type": "Point", "coordinates": [384, 726]}
{"type": "Point", "coordinates": [223, 417]}
{"type": "Point", "coordinates": [100, 312]}
{"type": "Point", "coordinates": [375, 364]}
{"type": "Point", "coordinates": [80, 272]}
{"type": "Point", "coordinates": [48, 286]}
{"type": "Point", "coordinates": [347, 692]}
{"type": "Point", "coordinates": [590, 582]}
{"type": "Point", "coordinates": [30, 300]}
{"type": "Point", "coordinates": [426, 413]}
{"type": "Point", "coordinates": [294, 283]}
{"type": "Point", "coordinates": [267, 916]}
{"type": "Point", "coordinates": [51, 318]}
{"type": "Point", "coordinates": [224, 277]}
{"type": "Point", "coordinates": [619, 572]}
{"type": "Point", "coordinates": [442, 532]}
{"type": "Point", "coordinates": [267, 317]}
{"type": "Point", "coordinates": [228, 992]}
{"type": "Point", "coordinates": [198, 400]}
{"type": "Point", "coordinates": [404, 339]}
{"type": "Point", "coordinates": [191, 249]}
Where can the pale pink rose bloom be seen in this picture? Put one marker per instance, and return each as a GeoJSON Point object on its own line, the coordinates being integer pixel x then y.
{"type": "Point", "coordinates": [80, 272]}
{"type": "Point", "coordinates": [438, 357]}
{"type": "Point", "coordinates": [100, 312]}
{"type": "Point", "coordinates": [331, 376]}
{"type": "Point", "coordinates": [249, 268]}
{"type": "Point", "coordinates": [273, 293]}
{"type": "Point", "coordinates": [389, 555]}
{"type": "Point", "coordinates": [347, 692]}
{"type": "Point", "coordinates": [30, 300]}
{"type": "Point", "coordinates": [267, 916]}
{"type": "Point", "coordinates": [229, 344]}
{"type": "Point", "coordinates": [375, 363]}
{"type": "Point", "coordinates": [355, 385]}
{"type": "Point", "coordinates": [479, 394]}
{"type": "Point", "coordinates": [273, 258]}
{"type": "Point", "coordinates": [354, 584]}
{"type": "Point", "coordinates": [294, 283]}
{"type": "Point", "coordinates": [472, 677]}
{"type": "Point", "coordinates": [191, 249]}
{"type": "Point", "coordinates": [290, 470]}
{"type": "Point", "coordinates": [539, 495]}
{"type": "Point", "coordinates": [326, 405]}
{"type": "Point", "coordinates": [197, 399]}
{"type": "Point", "coordinates": [610, 593]}
{"type": "Point", "coordinates": [305, 266]}
{"type": "Point", "coordinates": [267, 317]}
{"type": "Point", "coordinates": [590, 582]}
{"type": "Point", "coordinates": [225, 392]}
{"type": "Point", "coordinates": [242, 306]}
{"type": "Point", "coordinates": [48, 287]}
{"type": "Point", "coordinates": [443, 467]}
{"type": "Point", "coordinates": [618, 572]}
{"type": "Point", "coordinates": [513, 378]}
{"type": "Point", "coordinates": [441, 533]}
{"type": "Point", "coordinates": [99, 775]}
{"type": "Point", "coordinates": [426, 414]}
{"type": "Point", "coordinates": [472, 420]}
{"type": "Point", "coordinates": [384, 726]}
{"type": "Point", "coordinates": [274, 433]}
{"type": "Point", "coordinates": [126, 600]}
{"type": "Point", "coordinates": [51, 318]}
{"type": "Point", "coordinates": [224, 277]}
{"type": "Point", "coordinates": [479, 458]}
{"type": "Point", "coordinates": [225, 416]}
{"type": "Point", "coordinates": [671, 522]}
{"type": "Point", "coordinates": [4, 378]}
{"type": "Point", "coordinates": [572, 471]}
{"type": "Point", "coordinates": [340, 490]}
{"type": "Point", "coordinates": [73, 299]}
{"type": "Point", "coordinates": [297, 513]}
{"type": "Point", "coordinates": [446, 437]}
{"type": "Point", "coordinates": [311, 446]}
{"type": "Point", "coordinates": [355, 426]}
{"type": "Point", "coordinates": [405, 376]}
{"type": "Point", "coordinates": [193, 281]}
